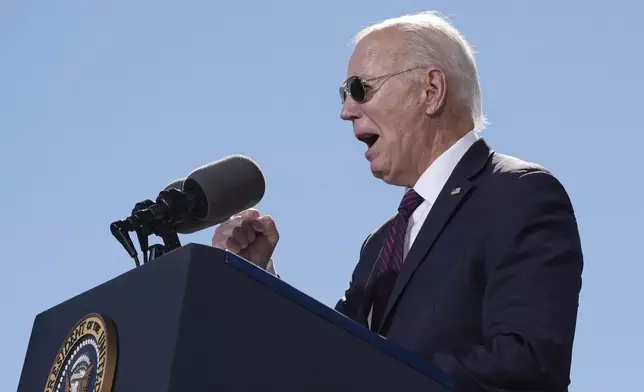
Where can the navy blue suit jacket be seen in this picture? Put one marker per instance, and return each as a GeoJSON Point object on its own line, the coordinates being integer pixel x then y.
{"type": "Point", "coordinates": [489, 290]}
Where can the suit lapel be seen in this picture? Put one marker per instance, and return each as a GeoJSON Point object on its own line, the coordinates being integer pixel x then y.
{"type": "Point", "coordinates": [447, 203]}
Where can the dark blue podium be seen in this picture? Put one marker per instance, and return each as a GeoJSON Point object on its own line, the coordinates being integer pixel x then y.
{"type": "Point", "coordinates": [201, 319]}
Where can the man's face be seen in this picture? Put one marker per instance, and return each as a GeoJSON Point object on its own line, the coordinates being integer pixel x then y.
{"type": "Point", "coordinates": [389, 121]}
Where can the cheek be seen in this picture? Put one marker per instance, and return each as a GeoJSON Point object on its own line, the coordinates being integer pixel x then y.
{"type": "Point", "coordinates": [396, 138]}
{"type": "Point", "coordinates": [391, 113]}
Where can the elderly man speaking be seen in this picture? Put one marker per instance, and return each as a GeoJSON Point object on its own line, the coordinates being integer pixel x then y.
{"type": "Point", "coordinates": [479, 269]}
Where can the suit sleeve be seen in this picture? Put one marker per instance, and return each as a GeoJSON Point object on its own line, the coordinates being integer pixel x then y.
{"type": "Point", "coordinates": [533, 266]}
{"type": "Point", "coordinates": [351, 304]}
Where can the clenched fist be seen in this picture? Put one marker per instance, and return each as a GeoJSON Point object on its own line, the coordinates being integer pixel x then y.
{"type": "Point", "coordinates": [248, 235]}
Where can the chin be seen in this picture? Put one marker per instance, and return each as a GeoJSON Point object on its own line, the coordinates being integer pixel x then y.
{"type": "Point", "coordinates": [376, 170]}
{"type": "Point", "coordinates": [384, 176]}
{"type": "Point", "coordinates": [387, 176]}
{"type": "Point", "coordinates": [378, 175]}
{"type": "Point", "coordinates": [383, 171]}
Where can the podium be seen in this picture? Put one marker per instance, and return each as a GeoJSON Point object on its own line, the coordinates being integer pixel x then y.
{"type": "Point", "coordinates": [202, 319]}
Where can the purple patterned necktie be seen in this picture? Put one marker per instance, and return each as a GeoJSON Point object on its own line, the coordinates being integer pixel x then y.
{"type": "Point", "coordinates": [391, 257]}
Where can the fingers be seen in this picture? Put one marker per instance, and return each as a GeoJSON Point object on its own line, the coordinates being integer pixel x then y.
{"type": "Point", "coordinates": [237, 233]}
{"type": "Point", "coordinates": [246, 226]}
{"type": "Point", "coordinates": [264, 224]}
{"type": "Point", "coordinates": [232, 245]}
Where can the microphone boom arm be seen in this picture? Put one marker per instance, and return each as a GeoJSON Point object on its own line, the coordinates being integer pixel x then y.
{"type": "Point", "coordinates": [159, 218]}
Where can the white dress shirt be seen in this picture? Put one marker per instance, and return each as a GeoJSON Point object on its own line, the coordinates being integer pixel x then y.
{"type": "Point", "coordinates": [432, 181]}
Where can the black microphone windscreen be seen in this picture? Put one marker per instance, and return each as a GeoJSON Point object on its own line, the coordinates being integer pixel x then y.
{"type": "Point", "coordinates": [227, 187]}
{"type": "Point", "coordinates": [189, 224]}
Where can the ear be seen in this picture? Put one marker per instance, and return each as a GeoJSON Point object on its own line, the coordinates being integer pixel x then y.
{"type": "Point", "coordinates": [435, 89]}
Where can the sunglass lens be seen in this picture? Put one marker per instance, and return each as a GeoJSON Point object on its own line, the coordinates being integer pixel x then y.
{"type": "Point", "coordinates": [356, 89]}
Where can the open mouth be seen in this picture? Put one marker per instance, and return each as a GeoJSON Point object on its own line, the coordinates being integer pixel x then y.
{"type": "Point", "coordinates": [368, 138]}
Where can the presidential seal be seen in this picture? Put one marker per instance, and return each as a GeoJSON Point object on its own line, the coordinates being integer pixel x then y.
{"type": "Point", "coordinates": [87, 359]}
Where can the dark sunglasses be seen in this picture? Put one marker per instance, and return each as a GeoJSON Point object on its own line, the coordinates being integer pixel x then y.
{"type": "Point", "coordinates": [357, 88]}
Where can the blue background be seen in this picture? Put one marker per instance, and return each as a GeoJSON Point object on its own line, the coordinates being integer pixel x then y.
{"type": "Point", "coordinates": [104, 103]}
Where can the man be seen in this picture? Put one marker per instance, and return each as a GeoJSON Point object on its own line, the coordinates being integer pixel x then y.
{"type": "Point", "coordinates": [479, 271]}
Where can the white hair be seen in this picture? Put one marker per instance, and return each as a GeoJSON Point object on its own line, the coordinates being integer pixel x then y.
{"type": "Point", "coordinates": [432, 41]}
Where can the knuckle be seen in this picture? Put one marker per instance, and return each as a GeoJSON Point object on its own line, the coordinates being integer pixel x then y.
{"type": "Point", "coordinates": [248, 227]}
{"type": "Point", "coordinates": [237, 230]}
{"type": "Point", "coordinates": [230, 243]}
{"type": "Point", "coordinates": [272, 224]}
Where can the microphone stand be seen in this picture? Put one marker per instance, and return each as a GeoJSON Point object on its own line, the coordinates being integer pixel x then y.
{"type": "Point", "coordinates": [121, 231]}
{"type": "Point", "coordinates": [170, 238]}
{"type": "Point", "coordinates": [149, 218]}
{"type": "Point", "coordinates": [142, 231]}
{"type": "Point", "coordinates": [156, 250]}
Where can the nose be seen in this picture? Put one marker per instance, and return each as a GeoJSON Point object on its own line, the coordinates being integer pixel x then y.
{"type": "Point", "coordinates": [350, 109]}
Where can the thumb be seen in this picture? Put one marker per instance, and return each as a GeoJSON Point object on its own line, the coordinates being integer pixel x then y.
{"type": "Point", "coordinates": [265, 225]}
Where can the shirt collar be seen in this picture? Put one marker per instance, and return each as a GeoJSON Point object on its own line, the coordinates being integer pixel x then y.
{"type": "Point", "coordinates": [432, 181]}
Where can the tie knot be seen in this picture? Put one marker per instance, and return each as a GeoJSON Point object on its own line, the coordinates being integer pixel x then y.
{"type": "Point", "coordinates": [410, 202]}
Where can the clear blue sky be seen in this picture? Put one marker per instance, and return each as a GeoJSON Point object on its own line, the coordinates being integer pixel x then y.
{"type": "Point", "coordinates": [82, 83]}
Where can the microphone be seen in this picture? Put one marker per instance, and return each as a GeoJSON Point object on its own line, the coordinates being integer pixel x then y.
{"type": "Point", "coordinates": [208, 196]}
{"type": "Point", "coordinates": [225, 188]}
{"type": "Point", "coordinates": [190, 223]}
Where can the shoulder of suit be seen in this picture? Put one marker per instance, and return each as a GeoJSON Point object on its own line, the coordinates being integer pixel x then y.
{"type": "Point", "coordinates": [506, 164]}
{"type": "Point", "coordinates": [514, 176]}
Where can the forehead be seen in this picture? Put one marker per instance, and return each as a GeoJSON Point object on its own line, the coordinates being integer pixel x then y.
{"type": "Point", "coordinates": [377, 53]}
